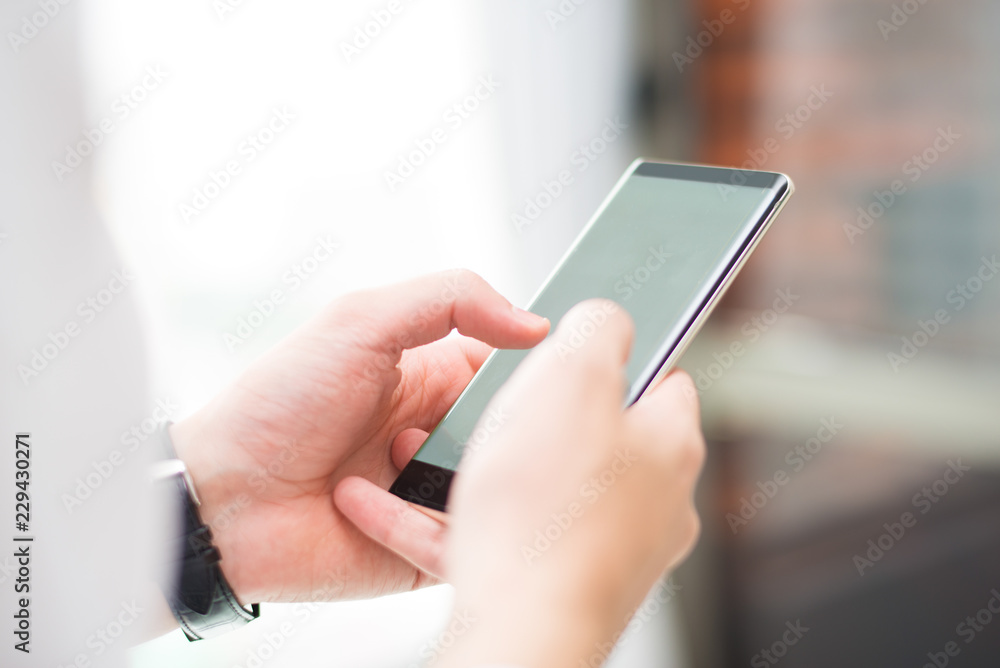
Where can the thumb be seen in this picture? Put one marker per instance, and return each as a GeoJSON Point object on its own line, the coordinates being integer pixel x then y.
{"type": "Point", "coordinates": [393, 523]}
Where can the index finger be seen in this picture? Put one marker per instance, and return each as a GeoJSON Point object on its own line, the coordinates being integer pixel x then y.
{"type": "Point", "coordinates": [411, 314]}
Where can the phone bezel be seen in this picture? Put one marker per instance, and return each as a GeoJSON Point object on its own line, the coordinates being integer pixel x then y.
{"type": "Point", "coordinates": [419, 476]}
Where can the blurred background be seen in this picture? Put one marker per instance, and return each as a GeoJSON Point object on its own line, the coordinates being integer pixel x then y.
{"type": "Point", "coordinates": [867, 385]}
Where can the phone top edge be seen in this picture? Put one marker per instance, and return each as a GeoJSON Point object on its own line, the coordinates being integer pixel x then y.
{"type": "Point", "coordinates": [721, 175]}
{"type": "Point", "coordinates": [634, 169]}
{"type": "Point", "coordinates": [788, 183]}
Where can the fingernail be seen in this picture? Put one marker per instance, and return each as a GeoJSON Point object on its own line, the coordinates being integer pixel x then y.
{"type": "Point", "coordinates": [527, 317]}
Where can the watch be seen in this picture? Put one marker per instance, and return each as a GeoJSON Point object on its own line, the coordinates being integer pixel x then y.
{"type": "Point", "coordinates": [199, 596]}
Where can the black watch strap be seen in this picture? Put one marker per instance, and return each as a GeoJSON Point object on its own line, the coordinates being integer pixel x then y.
{"type": "Point", "coordinates": [200, 598]}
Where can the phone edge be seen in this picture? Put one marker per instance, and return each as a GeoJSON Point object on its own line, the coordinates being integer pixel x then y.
{"type": "Point", "coordinates": [725, 283]}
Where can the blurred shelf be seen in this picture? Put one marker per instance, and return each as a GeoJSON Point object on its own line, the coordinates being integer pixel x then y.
{"type": "Point", "coordinates": [800, 372]}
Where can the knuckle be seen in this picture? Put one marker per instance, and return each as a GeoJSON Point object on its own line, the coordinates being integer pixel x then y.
{"type": "Point", "coordinates": [679, 450]}
{"type": "Point", "coordinates": [684, 447]}
{"type": "Point", "coordinates": [693, 452]}
{"type": "Point", "coordinates": [350, 307]}
{"type": "Point", "coordinates": [461, 279]}
{"type": "Point", "coordinates": [357, 300]}
{"type": "Point", "coordinates": [688, 390]}
{"type": "Point", "coordinates": [692, 529]}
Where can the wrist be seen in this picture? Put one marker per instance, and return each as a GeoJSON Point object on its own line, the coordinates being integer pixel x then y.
{"type": "Point", "coordinates": [200, 596]}
{"type": "Point", "coordinates": [219, 498]}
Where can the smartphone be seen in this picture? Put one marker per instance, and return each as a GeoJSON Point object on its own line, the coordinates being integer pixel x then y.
{"type": "Point", "coordinates": [664, 245]}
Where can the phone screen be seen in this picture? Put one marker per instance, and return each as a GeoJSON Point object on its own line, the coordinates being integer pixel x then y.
{"type": "Point", "coordinates": [659, 247]}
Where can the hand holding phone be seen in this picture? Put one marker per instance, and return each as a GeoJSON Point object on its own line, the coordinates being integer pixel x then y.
{"type": "Point", "coordinates": [552, 558]}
